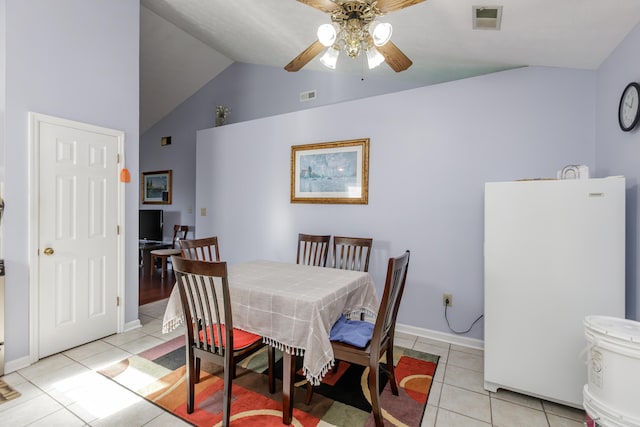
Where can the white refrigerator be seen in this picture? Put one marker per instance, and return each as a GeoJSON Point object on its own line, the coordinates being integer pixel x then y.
{"type": "Point", "coordinates": [554, 252]}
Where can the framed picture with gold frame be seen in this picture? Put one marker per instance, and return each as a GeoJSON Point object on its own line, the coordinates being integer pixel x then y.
{"type": "Point", "coordinates": [156, 188]}
{"type": "Point", "coordinates": [331, 172]}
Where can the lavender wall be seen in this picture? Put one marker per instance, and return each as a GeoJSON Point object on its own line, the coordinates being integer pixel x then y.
{"type": "Point", "coordinates": [2, 92]}
{"type": "Point", "coordinates": [77, 60]}
{"type": "Point", "coordinates": [432, 150]}
{"type": "Point", "coordinates": [251, 91]}
{"type": "Point", "coordinates": [617, 152]}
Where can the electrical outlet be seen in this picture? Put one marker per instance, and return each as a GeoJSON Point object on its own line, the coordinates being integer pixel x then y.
{"type": "Point", "coordinates": [447, 300]}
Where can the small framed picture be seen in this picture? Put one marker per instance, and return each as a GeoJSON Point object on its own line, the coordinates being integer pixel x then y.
{"type": "Point", "coordinates": [156, 188]}
{"type": "Point", "coordinates": [330, 172]}
{"type": "Point", "coordinates": [166, 140]}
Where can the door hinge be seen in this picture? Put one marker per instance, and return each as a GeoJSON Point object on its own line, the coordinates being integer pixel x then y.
{"type": "Point", "coordinates": [118, 158]}
{"type": "Point", "coordinates": [117, 301]}
{"type": "Point", "coordinates": [118, 230]}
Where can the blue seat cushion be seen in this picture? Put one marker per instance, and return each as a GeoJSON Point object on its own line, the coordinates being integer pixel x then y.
{"type": "Point", "coordinates": [354, 332]}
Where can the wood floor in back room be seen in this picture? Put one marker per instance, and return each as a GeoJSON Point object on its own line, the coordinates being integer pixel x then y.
{"type": "Point", "coordinates": [152, 287]}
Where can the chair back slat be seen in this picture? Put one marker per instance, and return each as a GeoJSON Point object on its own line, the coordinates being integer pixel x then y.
{"type": "Point", "coordinates": [313, 249]}
{"type": "Point", "coordinates": [179, 233]}
{"type": "Point", "coordinates": [202, 291]}
{"type": "Point", "coordinates": [185, 285]}
{"type": "Point", "coordinates": [203, 286]}
{"type": "Point", "coordinates": [205, 249]}
{"type": "Point", "coordinates": [352, 253]}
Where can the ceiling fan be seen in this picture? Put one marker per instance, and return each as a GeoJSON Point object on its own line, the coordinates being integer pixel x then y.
{"type": "Point", "coordinates": [354, 29]}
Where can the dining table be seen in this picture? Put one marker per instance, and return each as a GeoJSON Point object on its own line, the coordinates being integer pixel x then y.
{"type": "Point", "coordinates": [293, 307]}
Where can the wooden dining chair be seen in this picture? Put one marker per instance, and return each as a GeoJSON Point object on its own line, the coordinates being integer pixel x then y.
{"type": "Point", "coordinates": [179, 233]}
{"type": "Point", "coordinates": [205, 249]}
{"type": "Point", "coordinates": [382, 338]}
{"type": "Point", "coordinates": [351, 253]}
{"type": "Point", "coordinates": [210, 335]}
{"type": "Point", "coordinates": [313, 249]}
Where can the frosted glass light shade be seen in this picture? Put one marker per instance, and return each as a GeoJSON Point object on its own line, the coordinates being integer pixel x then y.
{"type": "Point", "coordinates": [380, 32]}
{"type": "Point", "coordinates": [326, 34]}
{"type": "Point", "coordinates": [374, 58]}
{"type": "Point", "coordinates": [330, 58]}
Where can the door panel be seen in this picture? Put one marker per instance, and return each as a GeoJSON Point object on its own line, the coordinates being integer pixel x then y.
{"type": "Point", "coordinates": [98, 291]}
{"type": "Point", "coordinates": [65, 285]}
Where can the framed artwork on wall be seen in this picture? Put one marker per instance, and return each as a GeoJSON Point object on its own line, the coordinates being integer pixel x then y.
{"type": "Point", "coordinates": [156, 188]}
{"type": "Point", "coordinates": [331, 172]}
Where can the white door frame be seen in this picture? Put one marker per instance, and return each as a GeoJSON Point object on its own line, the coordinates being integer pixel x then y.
{"type": "Point", "coordinates": [35, 119]}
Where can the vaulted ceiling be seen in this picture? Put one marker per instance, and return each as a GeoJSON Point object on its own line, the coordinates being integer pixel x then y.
{"type": "Point", "coordinates": [186, 43]}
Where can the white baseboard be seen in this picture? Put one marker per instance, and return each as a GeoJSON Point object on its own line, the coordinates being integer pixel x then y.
{"type": "Point", "coordinates": [441, 336]}
{"type": "Point", "coordinates": [14, 365]}
{"type": "Point", "coordinates": [132, 325]}
{"type": "Point", "coordinates": [23, 362]}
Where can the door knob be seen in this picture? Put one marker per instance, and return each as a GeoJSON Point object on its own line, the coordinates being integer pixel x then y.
{"type": "Point", "coordinates": [48, 251]}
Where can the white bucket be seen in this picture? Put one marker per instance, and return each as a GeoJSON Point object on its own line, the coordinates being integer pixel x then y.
{"type": "Point", "coordinates": [611, 394]}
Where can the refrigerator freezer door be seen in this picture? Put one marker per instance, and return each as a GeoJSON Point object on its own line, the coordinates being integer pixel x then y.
{"type": "Point", "coordinates": [554, 253]}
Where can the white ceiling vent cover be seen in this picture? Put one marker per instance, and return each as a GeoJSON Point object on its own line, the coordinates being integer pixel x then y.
{"type": "Point", "coordinates": [308, 95]}
{"type": "Point", "coordinates": [486, 17]}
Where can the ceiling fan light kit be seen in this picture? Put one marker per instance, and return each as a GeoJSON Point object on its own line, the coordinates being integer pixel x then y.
{"type": "Point", "coordinates": [374, 58]}
{"type": "Point", "coordinates": [330, 58]}
{"type": "Point", "coordinates": [381, 32]}
{"type": "Point", "coordinates": [327, 34]}
{"type": "Point", "coordinates": [354, 30]}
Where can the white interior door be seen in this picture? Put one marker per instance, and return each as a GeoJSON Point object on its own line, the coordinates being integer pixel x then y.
{"type": "Point", "coordinates": [78, 236]}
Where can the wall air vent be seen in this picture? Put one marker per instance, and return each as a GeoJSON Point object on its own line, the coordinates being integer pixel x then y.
{"type": "Point", "coordinates": [486, 17]}
{"type": "Point", "coordinates": [309, 95]}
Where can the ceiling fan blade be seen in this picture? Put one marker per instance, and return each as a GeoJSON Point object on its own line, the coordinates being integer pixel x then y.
{"type": "Point", "coordinates": [324, 5]}
{"type": "Point", "coordinates": [307, 55]}
{"type": "Point", "coordinates": [394, 57]}
{"type": "Point", "coordinates": [386, 6]}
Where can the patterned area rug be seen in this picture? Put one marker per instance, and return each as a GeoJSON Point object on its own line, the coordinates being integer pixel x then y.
{"type": "Point", "coordinates": [158, 375]}
{"type": "Point", "coordinates": [7, 393]}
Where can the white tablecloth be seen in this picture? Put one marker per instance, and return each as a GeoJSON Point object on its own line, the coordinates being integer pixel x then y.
{"type": "Point", "coordinates": [292, 306]}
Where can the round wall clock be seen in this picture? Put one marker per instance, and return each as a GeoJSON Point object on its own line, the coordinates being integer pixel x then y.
{"type": "Point", "coordinates": [628, 111]}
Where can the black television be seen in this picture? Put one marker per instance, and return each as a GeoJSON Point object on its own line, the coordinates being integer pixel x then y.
{"type": "Point", "coordinates": [150, 226]}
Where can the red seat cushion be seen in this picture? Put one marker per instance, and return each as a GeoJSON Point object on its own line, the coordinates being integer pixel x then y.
{"type": "Point", "coordinates": [241, 339]}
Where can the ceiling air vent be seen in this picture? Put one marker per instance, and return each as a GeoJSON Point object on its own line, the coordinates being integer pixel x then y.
{"type": "Point", "coordinates": [308, 95]}
{"type": "Point", "coordinates": [487, 17]}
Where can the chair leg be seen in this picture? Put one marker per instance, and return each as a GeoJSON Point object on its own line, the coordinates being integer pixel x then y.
{"type": "Point", "coordinates": [164, 266]}
{"type": "Point", "coordinates": [374, 392]}
{"type": "Point", "coordinates": [391, 371]}
{"type": "Point", "coordinates": [271, 356]}
{"type": "Point", "coordinates": [226, 399]}
{"type": "Point", "coordinates": [309, 395]}
{"type": "Point", "coordinates": [190, 379]}
{"type": "Point", "coordinates": [197, 370]}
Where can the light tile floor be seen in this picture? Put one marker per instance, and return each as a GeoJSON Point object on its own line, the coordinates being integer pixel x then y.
{"type": "Point", "coordinates": [65, 389]}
